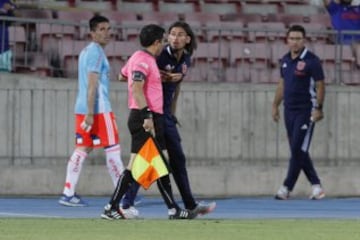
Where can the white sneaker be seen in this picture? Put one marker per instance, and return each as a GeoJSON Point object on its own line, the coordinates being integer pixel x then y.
{"type": "Point", "coordinates": [130, 213]}
{"type": "Point", "coordinates": [317, 192]}
{"type": "Point", "coordinates": [283, 193]}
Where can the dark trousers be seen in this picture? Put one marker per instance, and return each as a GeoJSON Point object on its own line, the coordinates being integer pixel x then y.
{"type": "Point", "coordinates": [178, 162]}
{"type": "Point", "coordinates": [299, 130]}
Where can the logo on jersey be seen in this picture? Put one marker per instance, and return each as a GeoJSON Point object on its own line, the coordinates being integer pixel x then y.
{"type": "Point", "coordinates": [304, 127]}
{"type": "Point", "coordinates": [184, 69]}
{"type": "Point", "coordinates": [300, 65]}
{"type": "Point", "coordinates": [284, 65]}
{"type": "Point", "coordinates": [143, 65]}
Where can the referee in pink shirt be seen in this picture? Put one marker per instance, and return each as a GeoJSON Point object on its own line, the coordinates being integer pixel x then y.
{"type": "Point", "coordinates": [145, 101]}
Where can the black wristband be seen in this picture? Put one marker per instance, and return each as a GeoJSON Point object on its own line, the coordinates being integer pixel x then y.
{"type": "Point", "coordinates": [146, 113]}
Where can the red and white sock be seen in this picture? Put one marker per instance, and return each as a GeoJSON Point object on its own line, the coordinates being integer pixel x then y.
{"type": "Point", "coordinates": [73, 171]}
{"type": "Point", "coordinates": [114, 163]}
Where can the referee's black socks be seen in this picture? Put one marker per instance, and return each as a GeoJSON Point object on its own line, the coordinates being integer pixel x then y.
{"type": "Point", "coordinates": [124, 183]}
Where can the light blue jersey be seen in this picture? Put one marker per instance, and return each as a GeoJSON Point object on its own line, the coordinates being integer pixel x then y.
{"type": "Point", "coordinates": [93, 59]}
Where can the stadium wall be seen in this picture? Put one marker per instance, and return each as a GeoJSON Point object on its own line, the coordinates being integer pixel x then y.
{"type": "Point", "coordinates": [232, 144]}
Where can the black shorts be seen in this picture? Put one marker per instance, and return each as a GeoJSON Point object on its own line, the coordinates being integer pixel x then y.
{"type": "Point", "coordinates": [138, 133]}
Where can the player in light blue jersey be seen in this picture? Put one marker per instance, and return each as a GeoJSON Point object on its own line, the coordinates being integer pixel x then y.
{"type": "Point", "coordinates": [93, 59]}
{"type": "Point", "coordinates": [95, 124]}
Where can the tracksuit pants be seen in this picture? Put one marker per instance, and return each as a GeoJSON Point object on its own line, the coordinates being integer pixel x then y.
{"type": "Point", "coordinates": [299, 130]}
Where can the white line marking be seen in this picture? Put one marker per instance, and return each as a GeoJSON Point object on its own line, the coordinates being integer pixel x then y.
{"type": "Point", "coordinates": [10, 214]}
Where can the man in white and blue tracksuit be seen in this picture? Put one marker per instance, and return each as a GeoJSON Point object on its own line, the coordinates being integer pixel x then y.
{"type": "Point", "coordinates": [302, 88]}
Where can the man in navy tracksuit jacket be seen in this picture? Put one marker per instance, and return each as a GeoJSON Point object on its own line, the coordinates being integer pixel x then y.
{"type": "Point", "coordinates": [302, 88]}
{"type": "Point", "coordinates": [173, 62]}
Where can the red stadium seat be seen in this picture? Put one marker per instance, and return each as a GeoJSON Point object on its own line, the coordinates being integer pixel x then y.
{"type": "Point", "coordinates": [209, 62]}
{"type": "Point", "coordinates": [74, 15]}
{"type": "Point", "coordinates": [229, 31]}
{"type": "Point", "coordinates": [177, 7]}
{"type": "Point", "coordinates": [118, 17]}
{"type": "Point", "coordinates": [17, 39]}
{"type": "Point", "coordinates": [220, 8]}
{"type": "Point", "coordinates": [69, 53]}
{"type": "Point", "coordinates": [266, 31]}
{"type": "Point", "coordinates": [328, 55]}
{"type": "Point", "coordinates": [248, 57]}
{"type": "Point", "coordinates": [49, 35]}
{"type": "Point", "coordinates": [36, 64]}
{"type": "Point", "coordinates": [160, 17]}
{"type": "Point", "coordinates": [130, 30]}
{"type": "Point", "coordinates": [202, 17]}
{"type": "Point", "coordinates": [260, 8]}
{"type": "Point", "coordinates": [118, 52]}
{"type": "Point", "coordinates": [136, 7]}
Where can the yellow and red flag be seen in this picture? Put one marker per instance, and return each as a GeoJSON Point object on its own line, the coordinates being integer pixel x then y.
{"type": "Point", "coordinates": [148, 164]}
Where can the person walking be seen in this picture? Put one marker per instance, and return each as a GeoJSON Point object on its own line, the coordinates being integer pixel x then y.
{"type": "Point", "coordinates": [145, 101]}
{"type": "Point", "coordinates": [95, 124]}
{"type": "Point", "coordinates": [302, 88]}
{"type": "Point", "coordinates": [174, 62]}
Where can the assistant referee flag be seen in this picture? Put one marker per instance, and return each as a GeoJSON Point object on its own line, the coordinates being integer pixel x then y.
{"type": "Point", "coordinates": [148, 164]}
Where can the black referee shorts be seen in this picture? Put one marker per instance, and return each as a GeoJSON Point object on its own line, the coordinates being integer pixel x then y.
{"type": "Point", "coordinates": [138, 133]}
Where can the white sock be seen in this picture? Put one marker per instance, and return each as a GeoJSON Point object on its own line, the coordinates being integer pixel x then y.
{"type": "Point", "coordinates": [73, 171]}
{"type": "Point", "coordinates": [114, 163]}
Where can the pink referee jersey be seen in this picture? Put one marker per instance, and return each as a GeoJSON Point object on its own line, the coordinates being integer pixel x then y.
{"type": "Point", "coordinates": [144, 62]}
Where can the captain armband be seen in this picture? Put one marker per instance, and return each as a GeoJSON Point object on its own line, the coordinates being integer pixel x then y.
{"type": "Point", "coordinates": [138, 76]}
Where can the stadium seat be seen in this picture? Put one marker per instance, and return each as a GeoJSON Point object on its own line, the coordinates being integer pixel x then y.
{"type": "Point", "coordinates": [35, 64]}
{"type": "Point", "coordinates": [95, 5]}
{"type": "Point", "coordinates": [266, 31]}
{"type": "Point", "coordinates": [118, 17]}
{"type": "Point", "coordinates": [246, 18]}
{"type": "Point", "coordinates": [278, 50]}
{"type": "Point", "coordinates": [249, 56]}
{"type": "Point", "coordinates": [177, 7]}
{"type": "Point", "coordinates": [228, 31]}
{"type": "Point", "coordinates": [35, 13]}
{"type": "Point", "coordinates": [160, 17]}
{"type": "Point", "coordinates": [135, 7]}
{"type": "Point", "coordinates": [220, 8]}
{"type": "Point", "coordinates": [49, 35]}
{"type": "Point", "coordinates": [306, 10]}
{"type": "Point", "coordinates": [74, 15]}
{"type": "Point", "coordinates": [209, 62]}
{"type": "Point", "coordinates": [69, 51]}
{"type": "Point", "coordinates": [202, 17]}
{"type": "Point", "coordinates": [357, 53]}
{"type": "Point", "coordinates": [130, 30]}
{"type": "Point", "coordinates": [259, 9]}
{"type": "Point", "coordinates": [323, 19]}
{"type": "Point", "coordinates": [118, 52]}
{"type": "Point", "coordinates": [328, 55]}
{"type": "Point", "coordinates": [17, 39]}
{"type": "Point", "coordinates": [287, 18]}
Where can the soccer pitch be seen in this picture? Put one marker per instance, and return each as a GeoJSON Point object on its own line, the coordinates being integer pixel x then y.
{"type": "Point", "coordinates": [96, 229]}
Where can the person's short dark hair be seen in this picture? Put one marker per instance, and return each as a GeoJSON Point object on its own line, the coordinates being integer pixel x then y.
{"type": "Point", "coordinates": [296, 28]}
{"type": "Point", "coordinates": [150, 33]}
{"type": "Point", "coordinates": [192, 45]}
{"type": "Point", "coordinates": [95, 20]}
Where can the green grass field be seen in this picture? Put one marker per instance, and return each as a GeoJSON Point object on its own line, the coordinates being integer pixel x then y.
{"type": "Point", "coordinates": [96, 229]}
